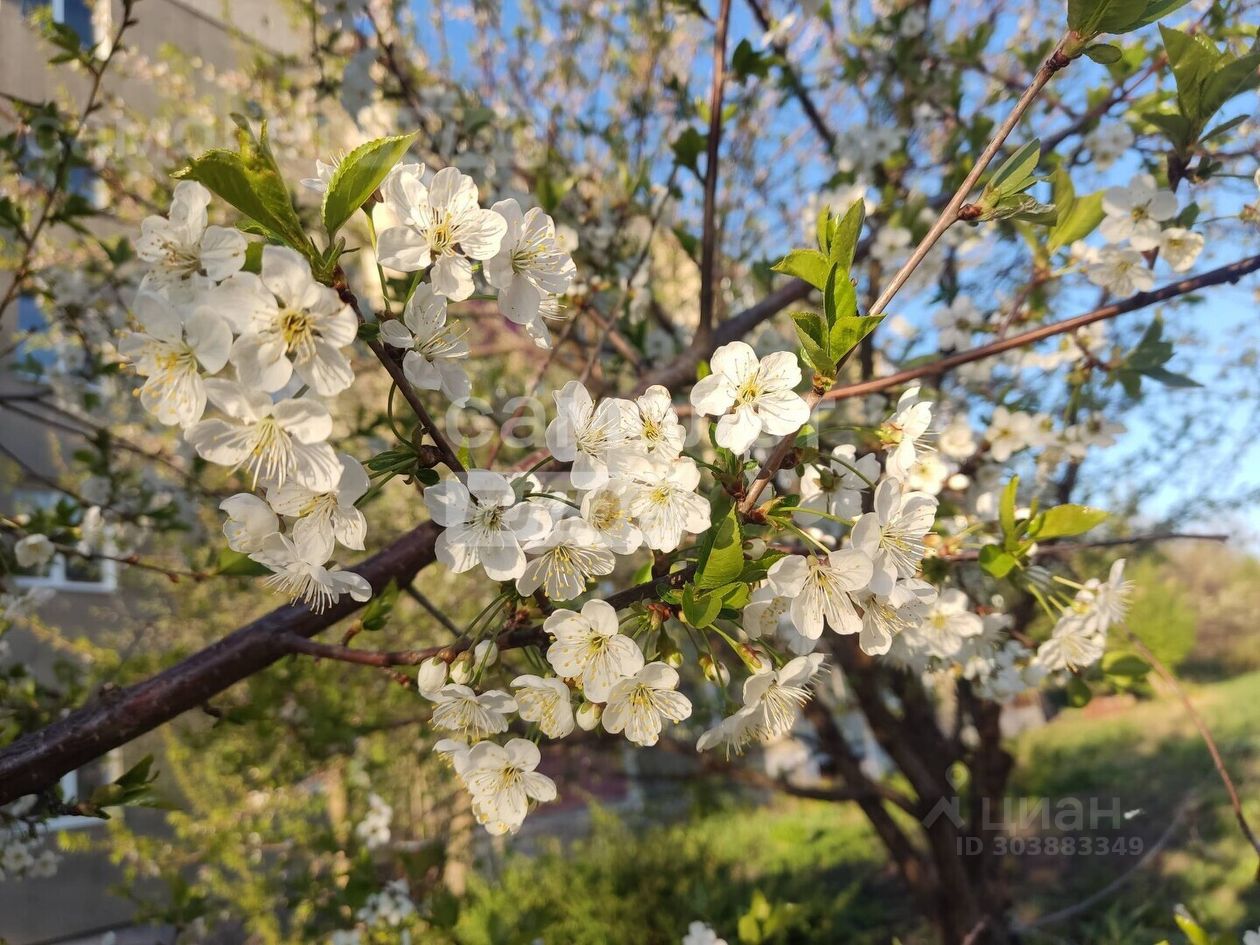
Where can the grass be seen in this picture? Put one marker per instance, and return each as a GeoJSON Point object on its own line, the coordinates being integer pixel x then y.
{"type": "Point", "coordinates": [632, 885]}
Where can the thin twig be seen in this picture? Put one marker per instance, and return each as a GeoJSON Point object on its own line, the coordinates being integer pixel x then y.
{"type": "Point", "coordinates": [709, 236]}
{"type": "Point", "coordinates": [1064, 548]}
{"type": "Point", "coordinates": [1204, 732]}
{"type": "Point", "coordinates": [1230, 273]}
{"type": "Point", "coordinates": [1179, 815]}
{"type": "Point", "coordinates": [946, 218]}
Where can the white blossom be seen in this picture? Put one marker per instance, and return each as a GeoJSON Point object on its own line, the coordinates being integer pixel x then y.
{"type": "Point", "coordinates": [291, 323]}
{"type": "Point", "coordinates": [638, 704]}
{"type": "Point", "coordinates": [456, 708]}
{"type": "Point", "coordinates": [588, 648]}
{"type": "Point", "coordinates": [751, 396]}
{"type": "Point", "coordinates": [1134, 213]}
{"type": "Point", "coordinates": [276, 442]}
{"type": "Point", "coordinates": [484, 524]}
{"type": "Point", "coordinates": [530, 265]}
{"type": "Point", "coordinates": [664, 502]}
{"type": "Point", "coordinates": [595, 439]}
{"type": "Point", "coordinates": [172, 352]}
{"type": "Point", "coordinates": [439, 225]}
{"type": "Point", "coordinates": [434, 351]}
{"type": "Point", "coordinates": [545, 701]}
{"type": "Point", "coordinates": [330, 514]}
{"type": "Point", "coordinates": [299, 570]}
{"type": "Point", "coordinates": [185, 253]}
{"type": "Point", "coordinates": [564, 560]}
{"type": "Point", "coordinates": [821, 588]}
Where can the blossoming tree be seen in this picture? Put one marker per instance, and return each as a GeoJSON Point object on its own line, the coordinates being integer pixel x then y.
{"type": "Point", "coordinates": [718, 505]}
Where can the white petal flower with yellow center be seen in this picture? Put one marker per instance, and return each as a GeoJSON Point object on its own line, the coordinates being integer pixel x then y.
{"type": "Point", "coordinates": [638, 704]}
{"type": "Point", "coordinates": [821, 589]}
{"type": "Point", "coordinates": [545, 701]}
{"type": "Point", "coordinates": [299, 569]}
{"type": "Point", "coordinates": [903, 432]}
{"type": "Point", "coordinates": [948, 623]}
{"type": "Point", "coordinates": [1134, 213]}
{"type": "Point", "coordinates": [1121, 271]}
{"type": "Point", "coordinates": [530, 265]}
{"type": "Point", "coordinates": [1074, 644]}
{"type": "Point", "coordinates": [1180, 247]}
{"type": "Point", "coordinates": [562, 562]}
{"type": "Point", "coordinates": [173, 353]}
{"type": "Point", "coordinates": [884, 616]}
{"type": "Point", "coordinates": [275, 442]}
{"type": "Point", "coordinates": [893, 535]}
{"type": "Point", "coordinates": [439, 225]}
{"type": "Point", "coordinates": [185, 253]}
{"type": "Point", "coordinates": [589, 648]}
{"type": "Point", "coordinates": [751, 396]}
{"type": "Point", "coordinates": [504, 780]}
{"type": "Point", "coordinates": [292, 323]}
{"type": "Point", "coordinates": [664, 502]}
{"type": "Point", "coordinates": [596, 439]}
{"type": "Point", "coordinates": [329, 515]}
{"type": "Point", "coordinates": [656, 425]}
{"type": "Point", "coordinates": [607, 511]}
{"type": "Point", "coordinates": [456, 708]}
{"type": "Point", "coordinates": [435, 352]}
{"type": "Point", "coordinates": [484, 524]}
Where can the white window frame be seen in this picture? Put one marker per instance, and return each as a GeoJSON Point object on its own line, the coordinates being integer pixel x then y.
{"type": "Point", "coordinates": [57, 579]}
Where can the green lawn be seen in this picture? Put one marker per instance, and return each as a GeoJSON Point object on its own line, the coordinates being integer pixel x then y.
{"type": "Point", "coordinates": [628, 885]}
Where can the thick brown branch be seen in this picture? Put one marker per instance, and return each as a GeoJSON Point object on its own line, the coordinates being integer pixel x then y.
{"type": "Point", "coordinates": [1231, 273]}
{"type": "Point", "coordinates": [39, 759]}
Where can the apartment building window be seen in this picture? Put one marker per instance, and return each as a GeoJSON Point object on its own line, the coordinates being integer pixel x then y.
{"type": "Point", "coordinates": [65, 572]}
{"type": "Point", "coordinates": [76, 14]}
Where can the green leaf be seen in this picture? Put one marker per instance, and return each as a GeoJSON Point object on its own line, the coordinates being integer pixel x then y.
{"type": "Point", "coordinates": [1015, 173]}
{"type": "Point", "coordinates": [1157, 10]}
{"type": "Point", "coordinates": [1006, 511]}
{"type": "Point", "coordinates": [1078, 692]}
{"type": "Point", "coordinates": [1127, 665]}
{"type": "Point", "coordinates": [250, 180]}
{"type": "Point", "coordinates": [1169, 378]}
{"type": "Point", "coordinates": [1191, 929]}
{"type": "Point", "coordinates": [844, 236]}
{"type": "Point", "coordinates": [687, 147]}
{"type": "Point", "coordinates": [376, 613]}
{"type": "Point", "coordinates": [1104, 53]}
{"type": "Point", "coordinates": [721, 552]}
{"type": "Point", "coordinates": [812, 333]}
{"type": "Point", "coordinates": [236, 564]}
{"type": "Point", "coordinates": [746, 61]}
{"type": "Point", "coordinates": [849, 330]}
{"type": "Point", "coordinates": [1082, 218]}
{"type": "Point", "coordinates": [807, 264]}
{"type": "Point", "coordinates": [358, 176]}
{"type": "Point", "coordinates": [997, 562]}
{"type": "Point", "coordinates": [1064, 521]}
{"type": "Point", "coordinates": [1120, 16]}
{"type": "Point", "coordinates": [700, 608]}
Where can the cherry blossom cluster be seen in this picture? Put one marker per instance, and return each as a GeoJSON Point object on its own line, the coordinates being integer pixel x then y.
{"type": "Point", "coordinates": [1139, 218]}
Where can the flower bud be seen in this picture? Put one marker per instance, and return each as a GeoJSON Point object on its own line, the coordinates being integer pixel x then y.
{"type": "Point", "coordinates": [462, 669]}
{"type": "Point", "coordinates": [588, 716]}
{"type": "Point", "coordinates": [667, 651]}
{"type": "Point", "coordinates": [754, 657]}
{"type": "Point", "coordinates": [713, 670]}
{"type": "Point", "coordinates": [754, 548]}
{"type": "Point", "coordinates": [485, 654]}
{"type": "Point", "coordinates": [431, 676]}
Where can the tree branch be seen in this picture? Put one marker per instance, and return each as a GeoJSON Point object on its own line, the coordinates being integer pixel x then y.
{"type": "Point", "coordinates": [945, 219]}
{"type": "Point", "coordinates": [38, 759]}
{"type": "Point", "coordinates": [709, 245]}
{"type": "Point", "coordinates": [1230, 273]}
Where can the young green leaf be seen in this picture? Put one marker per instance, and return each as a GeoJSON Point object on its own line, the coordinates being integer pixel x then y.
{"type": "Point", "coordinates": [721, 552]}
{"type": "Point", "coordinates": [250, 180]}
{"type": "Point", "coordinates": [358, 176]}
{"type": "Point", "coordinates": [1064, 521]}
{"type": "Point", "coordinates": [807, 264]}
